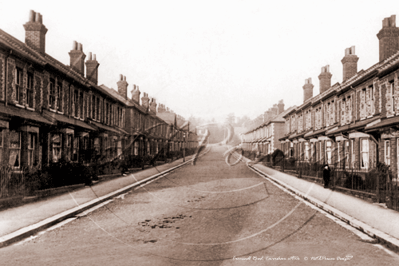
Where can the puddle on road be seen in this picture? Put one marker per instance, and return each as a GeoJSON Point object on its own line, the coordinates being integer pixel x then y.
{"type": "Point", "coordinates": [166, 222]}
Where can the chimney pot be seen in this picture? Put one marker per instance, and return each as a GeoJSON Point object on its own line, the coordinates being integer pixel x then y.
{"type": "Point", "coordinates": [124, 78]}
{"type": "Point", "coordinates": [32, 16]}
{"type": "Point", "coordinates": [94, 57]}
{"type": "Point", "coordinates": [74, 45]}
{"type": "Point", "coordinates": [90, 58]}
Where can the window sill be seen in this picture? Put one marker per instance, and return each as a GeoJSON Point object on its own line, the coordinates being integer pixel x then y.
{"type": "Point", "coordinates": [30, 108]}
{"type": "Point", "coordinates": [19, 105]}
{"type": "Point", "coordinates": [61, 113]}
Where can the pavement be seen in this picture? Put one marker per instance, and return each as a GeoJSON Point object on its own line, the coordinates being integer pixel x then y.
{"type": "Point", "coordinates": [21, 222]}
{"type": "Point", "coordinates": [24, 221]}
{"type": "Point", "coordinates": [373, 219]}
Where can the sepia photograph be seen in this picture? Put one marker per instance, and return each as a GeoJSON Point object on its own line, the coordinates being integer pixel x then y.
{"type": "Point", "coordinates": [199, 133]}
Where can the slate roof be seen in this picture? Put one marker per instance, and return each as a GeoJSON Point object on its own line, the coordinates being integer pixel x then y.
{"type": "Point", "coordinates": [24, 50]}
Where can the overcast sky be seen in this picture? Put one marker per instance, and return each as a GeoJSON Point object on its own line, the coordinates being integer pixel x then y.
{"type": "Point", "coordinates": [210, 58]}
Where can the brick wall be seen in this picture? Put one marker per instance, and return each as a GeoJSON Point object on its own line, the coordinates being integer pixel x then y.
{"type": "Point", "coordinates": [10, 79]}
{"type": "Point", "coordinates": [394, 164]}
{"type": "Point", "coordinates": [2, 69]}
{"type": "Point", "coordinates": [383, 100]}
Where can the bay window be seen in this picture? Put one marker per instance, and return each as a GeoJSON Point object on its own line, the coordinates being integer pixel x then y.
{"type": "Point", "coordinates": [387, 152]}
{"type": "Point", "coordinates": [328, 152]}
{"type": "Point", "coordinates": [31, 149]}
{"type": "Point", "coordinates": [364, 150]}
{"type": "Point", "coordinates": [56, 145]}
{"type": "Point", "coordinates": [15, 149]}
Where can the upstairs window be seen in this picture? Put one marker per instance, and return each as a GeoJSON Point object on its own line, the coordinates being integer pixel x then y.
{"type": "Point", "coordinates": [19, 85]}
{"type": "Point", "coordinates": [29, 91]}
{"type": "Point", "coordinates": [106, 114]}
{"type": "Point", "coordinates": [371, 101]}
{"type": "Point", "coordinates": [52, 94]}
{"type": "Point", "coordinates": [348, 109]}
{"type": "Point", "coordinates": [75, 103]}
{"type": "Point", "coordinates": [97, 108]}
{"type": "Point", "coordinates": [81, 104]}
{"type": "Point", "coordinates": [60, 92]}
{"type": "Point", "coordinates": [93, 107]}
{"type": "Point", "coordinates": [389, 99]}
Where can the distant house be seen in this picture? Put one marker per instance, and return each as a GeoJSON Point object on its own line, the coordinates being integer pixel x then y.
{"type": "Point", "coordinates": [268, 133]}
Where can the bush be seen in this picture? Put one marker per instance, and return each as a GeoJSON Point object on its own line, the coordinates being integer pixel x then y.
{"type": "Point", "coordinates": [353, 181]}
{"type": "Point", "coordinates": [382, 173]}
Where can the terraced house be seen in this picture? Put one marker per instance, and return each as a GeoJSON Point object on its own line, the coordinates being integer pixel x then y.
{"type": "Point", "coordinates": [266, 135]}
{"type": "Point", "coordinates": [50, 111]}
{"type": "Point", "coordinates": [353, 124]}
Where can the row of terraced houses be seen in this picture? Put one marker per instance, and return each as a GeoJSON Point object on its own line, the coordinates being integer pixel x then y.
{"type": "Point", "coordinates": [349, 125]}
{"type": "Point", "coordinates": [51, 111]}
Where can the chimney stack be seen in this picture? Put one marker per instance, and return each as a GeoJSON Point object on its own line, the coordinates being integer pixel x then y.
{"type": "Point", "coordinates": [122, 86]}
{"type": "Point", "coordinates": [388, 37]}
{"type": "Point", "coordinates": [136, 94]}
{"type": "Point", "coordinates": [280, 106]}
{"type": "Point", "coordinates": [145, 101]}
{"type": "Point", "coordinates": [92, 69]}
{"type": "Point", "coordinates": [274, 110]}
{"type": "Point", "coordinates": [307, 89]}
{"type": "Point", "coordinates": [349, 63]}
{"type": "Point", "coordinates": [77, 58]}
{"type": "Point", "coordinates": [325, 79]}
{"type": "Point", "coordinates": [161, 108]}
{"type": "Point", "coordinates": [153, 105]}
{"type": "Point", "coordinates": [35, 32]}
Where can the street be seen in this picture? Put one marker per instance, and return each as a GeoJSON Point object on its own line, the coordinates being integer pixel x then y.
{"type": "Point", "coordinates": [207, 214]}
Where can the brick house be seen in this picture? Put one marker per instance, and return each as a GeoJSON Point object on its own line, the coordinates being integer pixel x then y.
{"type": "Point", "coordinates": [267, 135]}
{"type": "Point", "coordinates": [50, 111]}
{"type": "Point", "coordinates": [353, 124]}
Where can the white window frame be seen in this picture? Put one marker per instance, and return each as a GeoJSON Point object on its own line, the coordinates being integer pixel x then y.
{"type": "Point", "coordinates": [364, 152]}
{"type": "Point", "coordinates": [346, 153]}
{"type": "Point", "coordinates": [32, 139]}
{"type": "Point", "coordinates": [353, 156]}
{"type": "Point", "coordinates": [387, 152]}
{"type": "Point", "coordinates": [328, 151]}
